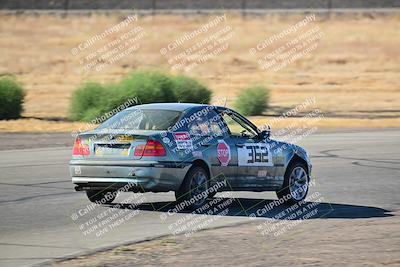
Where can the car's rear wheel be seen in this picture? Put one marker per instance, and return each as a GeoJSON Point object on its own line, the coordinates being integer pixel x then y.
{"type": "Point", "coordinates": [101, 197]}
{"type": "Point", "coordinates": [193, 191]}
{"type": "Point", "coordinates": [296, 183]}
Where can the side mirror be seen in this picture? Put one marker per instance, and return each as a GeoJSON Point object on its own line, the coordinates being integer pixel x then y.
{"type": "Point", "coordinates": [265, 134]}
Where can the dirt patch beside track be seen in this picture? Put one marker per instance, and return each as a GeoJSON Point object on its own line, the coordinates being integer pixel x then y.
{"type": "Point", "coordinates": [353, 73]}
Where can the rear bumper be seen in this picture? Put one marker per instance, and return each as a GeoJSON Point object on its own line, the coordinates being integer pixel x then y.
{"type": "Point", "coordinates": [140, 176]}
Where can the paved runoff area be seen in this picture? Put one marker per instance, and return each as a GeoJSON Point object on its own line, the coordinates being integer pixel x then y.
{"type": "Point", "coordinates": [351, 217]}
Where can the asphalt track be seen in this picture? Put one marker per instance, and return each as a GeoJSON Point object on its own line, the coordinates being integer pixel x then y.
{"type": "Point", "coordinates": [358, 173]}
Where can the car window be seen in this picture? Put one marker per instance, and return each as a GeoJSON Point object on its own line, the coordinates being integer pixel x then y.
{"type": "Point", "coordinates": [209, 124]}
{"type": "Point", "coordinates": [200, 126]}
{"type": "Point", "coordinates": [237, 126]}
{"type": "Point", "coordinates": [142, 119]}
{"type": "Point", "coordinates": [218, 127]}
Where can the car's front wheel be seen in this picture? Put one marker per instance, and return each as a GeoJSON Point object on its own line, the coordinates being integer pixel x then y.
{"type": "Point", "coordinates": [101, 197]}
{"type": "Point", "coordinates": [193, 192]}
{"type": "Point", "coordinates": [296, 183]}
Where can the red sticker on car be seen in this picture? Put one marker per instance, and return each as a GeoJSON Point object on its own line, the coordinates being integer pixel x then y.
{"type": "Point", "coordinates": [182, 140]}
{"type": "Point", "coordinates": [223, 152]}
{"type": "Point", "coordinates": [181, 136]}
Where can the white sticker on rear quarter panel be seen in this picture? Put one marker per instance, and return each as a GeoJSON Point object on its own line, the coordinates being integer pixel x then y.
{"type": "Point", "coordinates": [254, 154]}
{"type": "Point", "coordinates": [197, 154]}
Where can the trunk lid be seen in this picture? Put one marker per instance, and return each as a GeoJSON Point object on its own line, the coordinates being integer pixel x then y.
{"type": "Point", "coordinates": [115, 144]}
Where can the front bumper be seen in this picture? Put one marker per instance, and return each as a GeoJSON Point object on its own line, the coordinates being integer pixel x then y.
{"type": "Point", "coordinates": [139, 175]}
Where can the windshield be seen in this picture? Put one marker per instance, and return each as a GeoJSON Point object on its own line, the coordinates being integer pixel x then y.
{"type": "Point", "coordinates": [142, 119]}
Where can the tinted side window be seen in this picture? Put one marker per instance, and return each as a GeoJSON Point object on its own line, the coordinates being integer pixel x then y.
{"type": "Point", "coordinates": [217, 125]}
{"type": "Point", "coordinates": [207, 123]}
{"type": "Point", "coordinates": [200, 126]}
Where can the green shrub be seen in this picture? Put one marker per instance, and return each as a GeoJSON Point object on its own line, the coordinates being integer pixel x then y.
{"type": "Point", "coordinates": [252, 101]}
{"type": "Point", "coordinates": [149, 87]}
{"type": "Point", "coordinates": [11, 98]}
{"type": "Point", "coordinates": [87, 102]}
{"type": "Point", "coordinates": [188, 90]}
{"type": "Point", "coordinates": [92, 100]}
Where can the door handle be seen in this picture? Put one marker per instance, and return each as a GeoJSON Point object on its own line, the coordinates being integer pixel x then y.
{"type": "Point", "coordinates": [240, 145]}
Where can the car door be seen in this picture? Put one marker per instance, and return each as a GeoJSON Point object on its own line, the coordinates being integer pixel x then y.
{"type": "Point", "coordinates": [224, 154]}
{"type": "Point", "coordinates": [210, 142]}
{"type": "Point", "coordinates": [255, 167]}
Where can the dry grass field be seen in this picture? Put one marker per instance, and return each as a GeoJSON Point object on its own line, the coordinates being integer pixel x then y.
{"type": "Point", "coordinates": [354, 73]}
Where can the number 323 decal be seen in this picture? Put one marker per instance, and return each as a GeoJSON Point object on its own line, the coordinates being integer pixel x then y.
{"type": "Point", "coordinates": [254, 155]}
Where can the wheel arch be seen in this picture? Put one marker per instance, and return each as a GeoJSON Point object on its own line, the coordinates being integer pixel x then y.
{"type": "Point", "coordinates": [203, 164]}
{"type": "Point", "coordinates": [296, 158]}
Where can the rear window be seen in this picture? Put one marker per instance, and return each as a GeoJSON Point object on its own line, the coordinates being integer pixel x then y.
{"type": "Point", "coordinates": [142, 119]}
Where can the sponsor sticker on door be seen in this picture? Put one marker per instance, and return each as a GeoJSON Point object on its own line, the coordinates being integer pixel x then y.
{"type": "Point", "coordinates": [254, 154]}
{"type": "Point", "coordinates": [223, 153]}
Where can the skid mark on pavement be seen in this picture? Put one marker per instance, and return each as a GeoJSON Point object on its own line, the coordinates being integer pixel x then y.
{"type": "Point", "coordinates": [34, 165]}
{"type": "Point", "coordinates": [41, 185]}
{"type": "Point", "coordinates": [356, 163]}
{"type": "Point", "coordinates": [328, 154]}
{"type": "Point", "coordinates": [33, 197]}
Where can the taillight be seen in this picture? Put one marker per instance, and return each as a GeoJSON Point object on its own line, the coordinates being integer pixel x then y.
{"type": "Point", "coordinates": [151, 149]}
{"type": "Point", "coordinates": [80, 149]}
{"type": "Point", "coordinates": [139, 150]}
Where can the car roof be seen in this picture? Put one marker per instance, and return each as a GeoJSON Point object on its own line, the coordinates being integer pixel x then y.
{"type": "Point", "coordinates": [170, 106]}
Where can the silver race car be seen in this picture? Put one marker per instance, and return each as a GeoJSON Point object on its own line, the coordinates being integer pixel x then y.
{"type": "Point", "coordinates": [194, 150]}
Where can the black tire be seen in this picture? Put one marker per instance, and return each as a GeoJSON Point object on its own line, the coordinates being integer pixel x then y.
{"type": "Point", "coordinates": [193, 188]}
{"type": "Point", "coordinates": [288, 191]}
{"type": "Point", "coordinates": [101, 197]}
